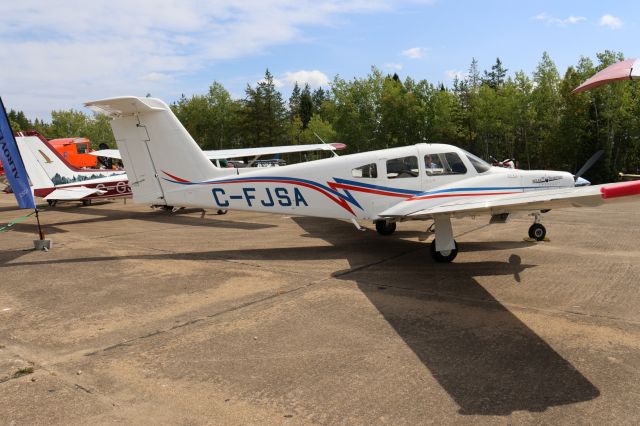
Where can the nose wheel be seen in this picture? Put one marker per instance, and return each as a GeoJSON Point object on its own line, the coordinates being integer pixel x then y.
{"type": "Point", "coordinates": [385, 228]}
{"type": "Point", "coordinates": [445, 256]}
{"type": "Point", "coordinates": [537, 232]}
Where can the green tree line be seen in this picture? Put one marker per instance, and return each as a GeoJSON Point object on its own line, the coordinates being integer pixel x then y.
{"type": "Point", "coordinates": [532, 118]}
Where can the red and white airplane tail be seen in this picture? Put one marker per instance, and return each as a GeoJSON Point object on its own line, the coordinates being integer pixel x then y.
{"type": "Point", "coordinates": [154, 146]}
{"type": "Point", "coordinates": [47, 168]}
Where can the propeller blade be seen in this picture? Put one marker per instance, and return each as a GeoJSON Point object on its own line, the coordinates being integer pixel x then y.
{"type": "Point", "coordinates": [590, 162]}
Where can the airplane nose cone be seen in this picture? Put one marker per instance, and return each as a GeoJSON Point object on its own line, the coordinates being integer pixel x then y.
{"type": "Point", "coordinates": [582, 182]}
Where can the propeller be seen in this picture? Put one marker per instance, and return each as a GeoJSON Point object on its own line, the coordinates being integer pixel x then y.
{"type": "Point", "coordinates": [590, 162]}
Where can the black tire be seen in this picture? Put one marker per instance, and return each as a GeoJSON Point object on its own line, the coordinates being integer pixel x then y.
{"type": "Point", "coordinates": [537, 232]}
{"type": "Point", "coordinates": [222, 212]}
{"type": "Point", "coordinates": [86, 202]}
{"type": "Point", "coordinates": [52, 203]}
{"type": "Point", "coordinates": [385, 228]}
{"type": "Point", "coordinates": [438, 256]}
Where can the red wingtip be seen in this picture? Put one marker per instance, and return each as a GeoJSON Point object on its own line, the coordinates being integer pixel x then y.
{"type": "Point", "coordinates": [622, 189]}
{"type": "Point", "coordinates": [338, 146]}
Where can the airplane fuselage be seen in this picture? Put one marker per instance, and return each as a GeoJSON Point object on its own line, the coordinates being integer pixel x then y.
{"type": "Point", "coordinates": [359, 186]}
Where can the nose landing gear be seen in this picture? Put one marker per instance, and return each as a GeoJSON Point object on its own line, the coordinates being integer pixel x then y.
{"type": "Point", "coordinates": [385, 228]}
{"type": "Point", "coordinates": [537, 231]}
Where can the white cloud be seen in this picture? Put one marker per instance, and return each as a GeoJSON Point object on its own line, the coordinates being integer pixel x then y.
{"type": "Point", "coordinates": [414, 52]}
{"type": "Point", "coordinates": [393, 66]}
{"type": "Point", "coordinates": [611, 21]}
{"type": "Point", "coordinates": [313, 78]}
{"type": "Point", "coordinates": [571, 20]}
{"type": "Point", "coordinates": [155, 76]}
{"type": "Point", "coordinates": [65, 53]}
{"type": "Point", "coordinates": [452, 74]}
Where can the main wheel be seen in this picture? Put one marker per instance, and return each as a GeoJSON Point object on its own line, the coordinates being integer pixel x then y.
{"type": "Point", "coordinates": [52, 203]}
{"type": "Point", "coordinates": [221, 212]}
{"type": "Point", "coordinates": [86, 202]}
{"type": "Point", "coordinates": [444, 256]}
{"type": "Point", "coordinates": [537, 232]}
{"type": "Point", "coordinates": [385, 228]}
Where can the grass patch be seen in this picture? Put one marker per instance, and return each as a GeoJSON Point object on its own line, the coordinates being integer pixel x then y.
{"type": "Point", "coordinates": [23, 372]}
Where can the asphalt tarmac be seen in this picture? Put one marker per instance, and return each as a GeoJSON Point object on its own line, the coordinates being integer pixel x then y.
{"type": "Point", "coordinates": [139, 316]}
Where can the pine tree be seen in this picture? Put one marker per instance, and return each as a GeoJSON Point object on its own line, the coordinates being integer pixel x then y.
{"type": "Point", "coordinates": [306, 106]}
{"type": "Point", "coordinates": [294, 102]}
{"type": "Point", "coordinates": [495, 78]}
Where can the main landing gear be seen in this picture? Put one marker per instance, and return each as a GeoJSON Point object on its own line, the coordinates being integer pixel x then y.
{"type": "Point", "coordinates": [385, 228]}
{"type": "Point", "coordinates": [443, 248]}
{"type": "Point", "coordinates": [444, 256]}
{"type": "Point", "coordinates": [537, 231]}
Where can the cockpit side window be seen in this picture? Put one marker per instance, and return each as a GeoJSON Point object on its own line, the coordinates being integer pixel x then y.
{"type": "Point", "coordinates": [479, 164]}
{"type": "Point", "coordinates": [366, 171]}
{"type": "Point", "coordinates": [403, 167]}
{"type": "Point", "coordinates": [444, 164]}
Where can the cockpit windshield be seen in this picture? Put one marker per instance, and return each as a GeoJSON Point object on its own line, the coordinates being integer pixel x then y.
{"type": "Point", "coordinates": [478, 163]}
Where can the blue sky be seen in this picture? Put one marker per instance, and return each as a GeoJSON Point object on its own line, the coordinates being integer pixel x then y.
{"type": "Point", "coordinates": [59, 54]}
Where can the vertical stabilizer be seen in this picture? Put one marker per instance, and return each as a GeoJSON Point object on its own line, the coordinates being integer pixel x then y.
{"type": "Point", "coordinates": [154, 147]}
{"type": "Point", "coordinates": [37, 175]}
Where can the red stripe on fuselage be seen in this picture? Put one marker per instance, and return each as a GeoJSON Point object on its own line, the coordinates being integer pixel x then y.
{"type": "Point", "coordinates": [367, 190]}
{"type": "Point", "coordinates": [342, 203]}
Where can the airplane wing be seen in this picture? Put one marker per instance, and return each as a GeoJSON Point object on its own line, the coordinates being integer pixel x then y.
{"type": "Point", "coordinates": [268, 150]}
{"type": "Point", "coordinates": [74, 193]}
{"type": "Point", "coordinates": [244, 152]}
{"type": "Point", "coordinates": [428, 205]}
{"type": "Point", "coordinates": [110, 153]}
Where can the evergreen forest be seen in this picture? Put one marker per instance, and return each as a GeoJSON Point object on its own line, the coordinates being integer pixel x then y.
{"type": "Point", "coordinates": [533, 118]}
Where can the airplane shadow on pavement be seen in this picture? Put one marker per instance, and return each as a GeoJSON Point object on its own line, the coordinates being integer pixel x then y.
{"type": "Point", "coordinates": [100, 216]}
{"type": "Point", "coordinates": [483, 356]}
{"type": "Point", "coordinates": [486, 358]}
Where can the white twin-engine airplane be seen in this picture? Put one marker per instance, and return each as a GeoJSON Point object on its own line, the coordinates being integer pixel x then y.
{"type": "Point", "coordinates": [424, 181]}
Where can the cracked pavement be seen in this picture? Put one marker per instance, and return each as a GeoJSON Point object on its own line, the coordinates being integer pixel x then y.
{"type": "Point", "coordinates": [139, 316]}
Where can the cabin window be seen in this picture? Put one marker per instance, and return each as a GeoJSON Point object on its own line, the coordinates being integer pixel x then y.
{"type": "Point", "coordinates": [404, 167]}
{"type": "Point", "coordinates": [366, 171]}
{"type": "Point", "coordinates": [479, 164]}
{"type": "Point", "coordinates": [82, 148]}
{"type": "Point", "coordinates": [444, 164]}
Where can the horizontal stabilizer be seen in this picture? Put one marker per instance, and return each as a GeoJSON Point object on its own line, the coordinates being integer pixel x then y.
{"type": "Point", "coordinates": [75, 193]}
{"type": "Point", "coordinates": [126, 105]}
{"type": "Point", "coordinates": [109, 153]}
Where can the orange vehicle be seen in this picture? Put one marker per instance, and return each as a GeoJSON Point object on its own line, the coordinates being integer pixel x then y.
{"type": "Point", "coordinates": [75, 151]}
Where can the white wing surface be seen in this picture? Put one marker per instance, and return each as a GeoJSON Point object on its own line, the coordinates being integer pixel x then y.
{"type": "Point", "coordinates": [244, 152]}
{"type": "Point", "coordinates": [429, 204]}
{"type": "Point", "coordinates": [75, 193]}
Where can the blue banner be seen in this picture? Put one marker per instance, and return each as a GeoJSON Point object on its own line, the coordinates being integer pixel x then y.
{"type": "Point", "coordinates": [12, 162]}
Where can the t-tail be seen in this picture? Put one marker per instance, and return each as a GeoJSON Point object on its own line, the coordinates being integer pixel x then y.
{"type": "Point", "coordinates": [156, 150]}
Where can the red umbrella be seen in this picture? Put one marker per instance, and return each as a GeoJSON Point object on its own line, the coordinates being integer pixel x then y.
{"type": "Point", "coordinates": [624, 70]}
